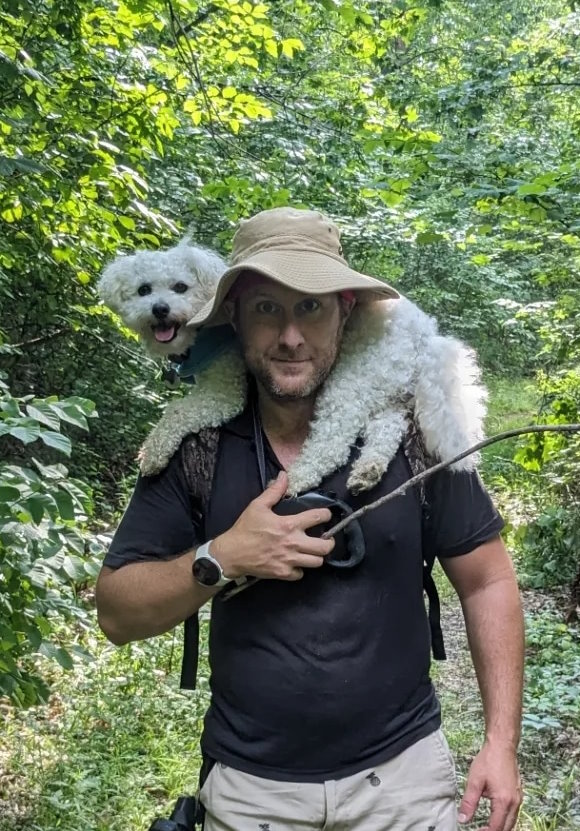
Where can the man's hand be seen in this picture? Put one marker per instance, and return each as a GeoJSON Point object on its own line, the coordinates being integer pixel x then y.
{"type": "Point", "coordinates": [494, 775]}
{"type": "Point", "coordinates": [263, 544]}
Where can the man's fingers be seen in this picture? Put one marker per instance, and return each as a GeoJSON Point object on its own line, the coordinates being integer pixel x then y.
{"type": "Point", "coordinates": [470, 800]}
{"type": "Point", "coordinates": [309, 561]}
{"type": "Point", "coordinates": [504, 812]}
{"type": "Point", "coordinates": [512, 816]}
{"type": "Point", "coordinates": [315, 546]}
{"type": "Point", "coordinates": [275, 490]}
{"type": "Point", "coordinates": [312, 517]}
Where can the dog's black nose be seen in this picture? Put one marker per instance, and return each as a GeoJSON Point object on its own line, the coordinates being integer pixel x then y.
{"type": "Point", "coordinates": [160, 310]}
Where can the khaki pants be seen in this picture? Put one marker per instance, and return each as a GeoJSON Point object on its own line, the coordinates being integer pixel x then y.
{"type": "Point", "coordinates": [413, 792]}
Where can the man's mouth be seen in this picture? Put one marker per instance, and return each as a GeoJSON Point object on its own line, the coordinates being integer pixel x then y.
{"type": "Point", "coordinates": [165, 332]}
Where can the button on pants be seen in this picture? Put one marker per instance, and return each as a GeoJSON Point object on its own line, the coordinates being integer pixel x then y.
{"type": "Point", "coordinates": [415, 791]}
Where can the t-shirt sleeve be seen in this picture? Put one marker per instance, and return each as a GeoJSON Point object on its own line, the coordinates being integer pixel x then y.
{"type": "Point", "coordinates": [462, 515]}
{"type": "Point", "coordinates": [159, 522]}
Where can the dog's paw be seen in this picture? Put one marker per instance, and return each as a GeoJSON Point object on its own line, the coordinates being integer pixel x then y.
{"type": "Point", "coordinates": [164, 439]}
{"type": "Point", "coordinates": [156, 453]}
{"type": "Point", "coordinates": [365, 476]}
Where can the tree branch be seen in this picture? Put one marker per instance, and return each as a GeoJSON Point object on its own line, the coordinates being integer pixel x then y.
{"type": "Point", "coordinates": [41, 339]}
{"type": "Point", "coordinates": [414, 480]}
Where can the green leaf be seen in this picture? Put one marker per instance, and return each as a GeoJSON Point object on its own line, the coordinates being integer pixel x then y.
{"type": "Point", "coordinates": [65, 504]}
{"type": "Point", "coordinates": [29, 165]}
{"type": "Point", "coordinates": [56, 653]}
{"type": "Point", "coordinates": [411, 114]}
{"type": "Point", "coordinates": [56, 440]}
{"type": "Point", "coordinates": [74, 568]}
{"type": "Point", "coordinates": [26, 432]}
{"type": "Point", "coordinates": [8, 494]}
{"type": "Point", "coordinates": [44, 413]}
{"type": "Point", "coordinates": [35, 505]}
{"type": "Point", "coordinates": [533, 189]}
{"type": "Point", "coordinates": [74, 411]}
{"type": "Point", "coordinates": [291, 45]}
{"type": "Point", "coordinates": [481, 259]}
{"type": "Point", "coordinates": [428, 237]}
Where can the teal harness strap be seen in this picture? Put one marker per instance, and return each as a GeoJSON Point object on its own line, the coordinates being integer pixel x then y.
{"type": "Point", "coordinates": [209, 344]}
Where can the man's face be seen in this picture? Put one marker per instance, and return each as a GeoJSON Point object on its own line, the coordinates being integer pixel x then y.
{"type": "Point", "coordinates": [290, 340]}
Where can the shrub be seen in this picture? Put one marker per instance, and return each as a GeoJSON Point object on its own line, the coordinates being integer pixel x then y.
{"type": "Point", "coordinates": [44, 553]}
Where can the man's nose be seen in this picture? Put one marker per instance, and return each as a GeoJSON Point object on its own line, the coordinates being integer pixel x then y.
{"type": "Point", "coordinates": [291, 335]}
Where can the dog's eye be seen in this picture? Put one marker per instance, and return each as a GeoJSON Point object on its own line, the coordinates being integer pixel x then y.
{"type": "Point", "coordinates": [180, 288]}
{"type": "Point", "coordinates": [144, 290]}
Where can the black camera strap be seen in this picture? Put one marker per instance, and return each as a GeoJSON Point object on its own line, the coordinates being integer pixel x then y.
{"type": "Point", "coordinates": [259, 440]}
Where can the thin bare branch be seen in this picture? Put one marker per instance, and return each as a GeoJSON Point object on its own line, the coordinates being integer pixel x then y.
{"type": "Point", "coordinates": [414, 480]}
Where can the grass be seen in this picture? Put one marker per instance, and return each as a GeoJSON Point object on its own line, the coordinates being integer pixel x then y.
{"type": "Point", "coordinates": [108, 752]}
{"type": "Point", "coordinates": [513, 402]}
{"type": "Point", "coordinates": [118, 741]}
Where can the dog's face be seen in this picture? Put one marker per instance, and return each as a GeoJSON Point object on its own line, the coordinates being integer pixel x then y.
{"type": "Point", "coordinates": [157, 292]}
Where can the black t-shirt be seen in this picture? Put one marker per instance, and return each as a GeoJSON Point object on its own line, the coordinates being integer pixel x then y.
{"type": "Point", "coordinates": [320, 678]}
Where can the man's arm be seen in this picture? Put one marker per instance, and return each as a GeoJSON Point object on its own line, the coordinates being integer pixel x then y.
{"type": "Point", "coordinates": [485, 582]}
{"type": "Point", "coordinates": [141, 600]}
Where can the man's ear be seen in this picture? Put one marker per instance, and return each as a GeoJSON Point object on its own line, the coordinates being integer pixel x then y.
{"type": "Point", "coordinates": [347, 304]}
{"type": "Point", "coordinates": [229, 307]}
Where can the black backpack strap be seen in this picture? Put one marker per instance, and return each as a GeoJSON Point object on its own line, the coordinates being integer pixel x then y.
{"type": "Point", "coordinates": [419, 460]}
{"type": "Point", "coordinates": [198, 457]}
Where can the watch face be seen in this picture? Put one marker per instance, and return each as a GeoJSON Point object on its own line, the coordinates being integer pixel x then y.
{"type": "Point", "coordinates": [206, 572]}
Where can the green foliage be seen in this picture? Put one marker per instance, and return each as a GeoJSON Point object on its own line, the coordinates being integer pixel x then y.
{"type": "Point", "coordinates": [441, 136]}
{"type": "Point", "coordinates": [552, 673]}
{"type": "Point", "coordinates": [551, 544]}
{"type": "Point", "coordinates": [548, 548]}
{"type": "Point", "coordinates": [120, 741]}
{"type": "Point", "coordinates": [43, 551]}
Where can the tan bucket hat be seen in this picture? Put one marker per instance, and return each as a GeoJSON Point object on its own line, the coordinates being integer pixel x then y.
{"type": "Point", "coordinates": [299, 249]}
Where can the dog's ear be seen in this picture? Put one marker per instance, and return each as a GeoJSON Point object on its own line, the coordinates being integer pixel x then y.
{"type": "Point", "coordinates": [112, 284]}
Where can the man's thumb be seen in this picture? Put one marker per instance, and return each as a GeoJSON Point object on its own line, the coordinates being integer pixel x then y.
{"type": "Point", "coordinates": [275, 490]}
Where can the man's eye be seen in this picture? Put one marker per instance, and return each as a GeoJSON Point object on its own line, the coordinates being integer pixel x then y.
{"type": "Point", "coordinates": [266, 307]}
{"type": "Point", "coordinates": [180, 288]}
{"type": "Point", "coordinates": [309, 305]}
{"type": "Point", "coordinates": [144, 290]}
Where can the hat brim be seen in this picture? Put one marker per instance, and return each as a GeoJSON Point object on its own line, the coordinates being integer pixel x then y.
{"type": "Point", "coordinates": [303, 271]}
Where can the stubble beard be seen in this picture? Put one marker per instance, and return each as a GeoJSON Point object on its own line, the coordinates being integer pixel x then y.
{"type": "Point", "coordinates": [258, 367]}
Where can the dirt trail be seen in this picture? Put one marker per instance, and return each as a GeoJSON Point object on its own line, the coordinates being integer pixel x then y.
{"type": "Point", "coordinates": [549, 760]}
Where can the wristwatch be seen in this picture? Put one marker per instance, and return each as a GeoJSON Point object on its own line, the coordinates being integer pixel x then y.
{"type": "Point", "coordinates": [206, 569]}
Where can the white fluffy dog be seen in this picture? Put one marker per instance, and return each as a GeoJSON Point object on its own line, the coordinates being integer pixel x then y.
{"type": "Point", "coordinates": [156, 292]}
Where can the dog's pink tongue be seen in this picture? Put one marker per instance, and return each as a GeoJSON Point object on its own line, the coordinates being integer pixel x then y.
{"type": "Point", "coordinates": [164, 335]}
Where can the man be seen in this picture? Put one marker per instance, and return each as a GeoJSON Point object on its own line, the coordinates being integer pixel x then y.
{"type": "Point", "coordinates": [322, 712]}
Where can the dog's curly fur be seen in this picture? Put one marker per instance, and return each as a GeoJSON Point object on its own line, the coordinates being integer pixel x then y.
{"type": "Point", "coordinates": [393, 365]}
{"type": "Point", "coordinates": [156, 292]}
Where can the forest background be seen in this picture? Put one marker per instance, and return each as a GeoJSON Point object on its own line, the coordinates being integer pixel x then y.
{"type": "Point", "coordinates": [443, 137]}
